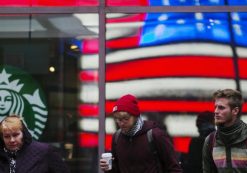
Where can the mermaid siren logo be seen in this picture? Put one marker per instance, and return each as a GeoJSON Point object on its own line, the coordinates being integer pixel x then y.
{"type": "Point", "coordinates": [20, 95]}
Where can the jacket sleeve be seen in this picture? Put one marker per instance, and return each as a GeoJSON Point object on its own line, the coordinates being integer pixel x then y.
{"type": "Point", "coordinates": [115, 168]}
{"type": "Point", "coordinates": [55, 162]}
{"type": "Point", "coordinates": [166, 153]}
{"type": "Point", "coordinates": [207, 161]}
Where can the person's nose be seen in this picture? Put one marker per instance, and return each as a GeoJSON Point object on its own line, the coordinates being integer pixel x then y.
{"type": "Point", "coordinates": [12, 139]}
{"type": "Point", "coordinates": [120, 123]}
{"type": "Point", "coordinates": [216, 110]}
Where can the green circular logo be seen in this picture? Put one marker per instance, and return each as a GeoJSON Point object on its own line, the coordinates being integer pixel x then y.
{"type": "Point", "coordinates": [21, 95]}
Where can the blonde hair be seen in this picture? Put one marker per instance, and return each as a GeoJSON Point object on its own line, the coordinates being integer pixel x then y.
{"type": "Point", "coordinates": [12, 123]}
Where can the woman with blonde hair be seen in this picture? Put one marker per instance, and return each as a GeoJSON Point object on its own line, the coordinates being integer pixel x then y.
{"type": "Point", "coordinates": [20, 154]}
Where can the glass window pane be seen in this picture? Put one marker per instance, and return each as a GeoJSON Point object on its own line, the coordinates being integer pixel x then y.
{"type": "Point", "coordinates": [41, 60]}
{"type": "Point", "coordinates": [173, 62]}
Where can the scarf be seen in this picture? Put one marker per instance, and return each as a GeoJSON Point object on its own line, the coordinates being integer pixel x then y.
{"type": "Point", "coordinates": [12, 160]}
{"type": "Point", "coordinates": [137, 126]}
{"type": "Point", "coordinates": [233, 134]}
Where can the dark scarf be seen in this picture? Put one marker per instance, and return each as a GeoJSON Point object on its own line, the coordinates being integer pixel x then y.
{"type": "Point", "coordinates": [12, 160]}
{"type": "Point", "coordinates": [233, 134]}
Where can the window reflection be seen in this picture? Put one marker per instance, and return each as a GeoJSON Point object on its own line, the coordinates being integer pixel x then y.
{"type": "Point", "coordinates": [44, 26]}
{"type": "Point", "coordinates": [173, 62]}
{"type": "Point", "coordinates": [50, 48]}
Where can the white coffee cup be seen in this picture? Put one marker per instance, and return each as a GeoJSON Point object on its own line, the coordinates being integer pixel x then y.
{"type": "Point", "coordinates": [108, 158]}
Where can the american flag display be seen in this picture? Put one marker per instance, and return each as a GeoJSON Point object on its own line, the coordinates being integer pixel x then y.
{"type": "Point", "coordinates": [173, 62]}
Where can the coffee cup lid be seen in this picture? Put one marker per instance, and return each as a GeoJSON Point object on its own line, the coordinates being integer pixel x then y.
{"type": "Point", "coordinates": [106, 155]}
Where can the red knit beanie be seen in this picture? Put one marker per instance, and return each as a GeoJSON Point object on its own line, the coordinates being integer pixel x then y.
{"type": "Point", "coordinates": [127, 103]}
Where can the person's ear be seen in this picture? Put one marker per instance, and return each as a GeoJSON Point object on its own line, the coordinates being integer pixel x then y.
{"type": "Point", "coordinates": [235, 111]}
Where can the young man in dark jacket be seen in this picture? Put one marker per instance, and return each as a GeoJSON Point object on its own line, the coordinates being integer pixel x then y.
{"type": "Point", "coordinates": [225, 150]}
{"type": "Point", "coordinates": [131, 150]}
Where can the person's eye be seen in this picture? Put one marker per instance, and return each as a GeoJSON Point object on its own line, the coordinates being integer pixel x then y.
{"type": "Point", "coordinates": [126, 118]}
{"type": "Point", "coordinates": [6, 137]}
{"type": "Point", "coordinates": [16, 134]}
{"type": "Point", "coordinates": [221, 107]}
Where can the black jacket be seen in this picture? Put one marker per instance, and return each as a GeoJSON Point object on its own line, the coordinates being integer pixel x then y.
{"type": "Point", "coordinates": [33, 157]}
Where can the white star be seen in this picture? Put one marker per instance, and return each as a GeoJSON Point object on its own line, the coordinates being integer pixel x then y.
{"type": "Point", "coordinates": [35, 98]}
{"type": "Point", "coordinates": [4, 77]}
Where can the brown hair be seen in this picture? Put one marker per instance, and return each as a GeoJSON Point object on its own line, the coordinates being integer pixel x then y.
{"type": "Point", "coordinates": [12, 122]}
{"type": "Point", "coordinates": [235, 98]}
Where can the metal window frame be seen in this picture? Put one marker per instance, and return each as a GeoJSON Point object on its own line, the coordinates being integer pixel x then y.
{"type": "Point", "coordinates": [102, 10]}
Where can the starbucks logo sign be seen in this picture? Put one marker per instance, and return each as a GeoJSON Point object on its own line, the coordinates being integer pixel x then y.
{"type": "Point", "coordinates": [21, 95]}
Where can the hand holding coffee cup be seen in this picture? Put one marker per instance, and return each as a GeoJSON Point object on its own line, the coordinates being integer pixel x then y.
{"type": "Point", "coordinates": [106, 161]}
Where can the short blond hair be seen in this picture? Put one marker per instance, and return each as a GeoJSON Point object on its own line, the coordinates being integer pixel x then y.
{"type": "Point", "coordinates": [12, 123]}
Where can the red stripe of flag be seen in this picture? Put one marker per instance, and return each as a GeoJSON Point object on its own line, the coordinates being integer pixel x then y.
{"type": "Point", "coordinates": [181, 144]}
{"type": "Point", "coordinates": [153, 106]}
{"type": "Point", "coordinates": [89, 76]}
{"type": "Point", "coordinates": [49, 3]}
{"type": "Point", "coordinates": [90, 140]}
{"type": "Point", "coordinates": [90, 46]}
{"type": "Point", "coordinates": [88, 109]}
{"type": "Point", "coordinates": [182, 66]}
{"type": "Point", "coordinates": [164, 67]}
{"type": "Point", "coordinates": [127, 42]}
{"type": "Point", "coordinates": [168, 106]}
{"type": "Point", "coordinates": [242, 68]}
{"type": "Point", "coordinates": [119, 72]}
{"type": "Point", "coordinates": [16, 3]}
{"type": "Point", "coordinates": [127, 2]}
{"type": "Point", "coordinates": [172, 106]}
{"type": "Point", "coordinates": [65, 3]}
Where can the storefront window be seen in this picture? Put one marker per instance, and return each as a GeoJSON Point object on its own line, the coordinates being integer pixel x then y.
{"type": "Point", "coordinates": [50, 62]}
{"type": "Point", "coordinates": [41, 60]}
